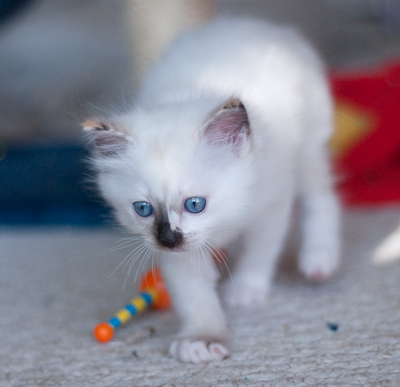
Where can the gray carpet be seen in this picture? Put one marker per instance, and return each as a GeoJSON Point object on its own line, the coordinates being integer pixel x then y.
{"type": "Point", "coordinates": [54, 289]}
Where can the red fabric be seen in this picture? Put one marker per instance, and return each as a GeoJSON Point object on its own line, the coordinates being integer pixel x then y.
{"type": "Point", "coordinates": [370, 170]}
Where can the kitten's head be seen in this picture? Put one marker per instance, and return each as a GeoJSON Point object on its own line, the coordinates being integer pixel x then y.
{"type": "Point", "coordinates": [178, 177]}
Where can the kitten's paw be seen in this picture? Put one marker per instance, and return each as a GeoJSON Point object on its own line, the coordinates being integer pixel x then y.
{"type": "Point", "coordinates": [192, 350]}
{"type": "Point", "coordinates": [318, 265]}
{"type": "Point", "coordinates": [240, 292]}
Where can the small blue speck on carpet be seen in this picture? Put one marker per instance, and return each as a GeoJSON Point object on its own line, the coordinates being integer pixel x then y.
{"type": "Point", "coordinates": [332, 326]}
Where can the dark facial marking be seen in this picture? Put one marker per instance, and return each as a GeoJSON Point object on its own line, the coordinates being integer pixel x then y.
{"type": "Point", "coordinates": [165, 236]}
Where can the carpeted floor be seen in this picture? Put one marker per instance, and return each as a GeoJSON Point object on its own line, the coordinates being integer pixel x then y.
{"type": "Point", "coordinates": [54, 288]}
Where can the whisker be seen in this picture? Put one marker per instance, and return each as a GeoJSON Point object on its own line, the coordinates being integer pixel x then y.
{"type": "Point", "coordinates": [135, 255]}
{"type": "Point", "coordinates": [206, 254]}
{"type": "Point", "coordinates": [142, 266]}
{"type": "Point", "coordinates": [211, 253]}
{"type": "Point", "coordinates": [123, 246]}
{"type": "Point", "coordinates": [152, 264]}
{"type": "Point", "coordinates": [218, 249]}
{"type": "Point", "coordinates": [218, 241]}
{"type": "Point", "coordinates": [128, 257]}
{"type": "Point", "coordinates": [144, 251]}
{"type": "Point", "coordinates": [154, 256]}
{"type": "Point", "coordinates": [128, 238]}
{"type": "Point", "coordinates": [128, 273]}
{"type": "Point", "coordinates": [125, 242]}
{"type": "Point", "coordinates": [143, 262]}
{"type": "Point", "coordinates": [198, 258]}
{"type": "Point", "coordinates": [138, 254]}
{"type": "Point", "coordinates": [196, 254]}
{"type": "Point", "coordinates": [202, 253]}
{"type": "Point", "coordinates": [223, 256]}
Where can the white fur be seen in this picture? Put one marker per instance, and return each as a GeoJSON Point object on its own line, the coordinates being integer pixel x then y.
{"type": "Point", "coordinates": [281, 83]}
{"type": "Point", "coordinates": [388, 250]}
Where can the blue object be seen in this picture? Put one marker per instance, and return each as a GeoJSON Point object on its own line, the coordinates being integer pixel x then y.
{"type": "Point", "coordinates": [332, 326]}
{"type": "Point", "coordinates": [48, 186]}
{"type": "Point", "coordinates": [115, 322]}
{"type": "Point", "coordinates": [9, 8]}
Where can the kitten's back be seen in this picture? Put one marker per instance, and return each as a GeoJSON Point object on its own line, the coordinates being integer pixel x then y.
{"type": "Point", "coordinates": [229, 55]}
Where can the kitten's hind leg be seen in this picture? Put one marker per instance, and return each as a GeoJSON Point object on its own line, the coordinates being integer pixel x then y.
{"type": "Point", "coordinates": [254, 271]}
{"type": "Point", "coordinates": [320, 217]}
{"type": "Point", "coordinates": [191, 281]}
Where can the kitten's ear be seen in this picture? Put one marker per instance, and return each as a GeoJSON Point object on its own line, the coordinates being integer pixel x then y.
{"type": "Point", "coordinates": [229, 126]}
{"type": "Point", "coordinates": [107, 139]}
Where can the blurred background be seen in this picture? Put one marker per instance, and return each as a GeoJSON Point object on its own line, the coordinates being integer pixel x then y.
{"type": "Point", "coordinates": [60, 60]}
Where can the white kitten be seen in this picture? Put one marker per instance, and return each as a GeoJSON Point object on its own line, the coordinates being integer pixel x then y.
{"type": "Point", "coordinates": [230, 127]}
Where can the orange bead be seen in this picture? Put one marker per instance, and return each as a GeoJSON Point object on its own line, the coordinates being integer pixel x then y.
{"type": "Point", "coordinates": [103, 332]}
{"type": "Point", "coordinates": [153, 280]}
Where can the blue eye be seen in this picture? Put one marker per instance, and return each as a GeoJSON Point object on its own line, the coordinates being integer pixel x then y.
{"type": "Point", "coordinates": [195, 205]}
{"type": "Point", "coordinates": [143, 209]}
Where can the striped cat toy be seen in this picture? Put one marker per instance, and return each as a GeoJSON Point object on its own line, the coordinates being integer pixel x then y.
{"type": "Point", "coordinates": [153, 294]}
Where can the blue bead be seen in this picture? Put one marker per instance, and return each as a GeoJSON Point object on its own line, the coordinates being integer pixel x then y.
{"type": "Point", "coordinates": [147, 297]}
{"type": "Point", "coordinates": [115, 322]}
{"type": "Point", "coordinates": [132, 310]}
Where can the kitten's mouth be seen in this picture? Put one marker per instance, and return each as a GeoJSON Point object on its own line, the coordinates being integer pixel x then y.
{"type": "Point", "coordinates": [175, 249]}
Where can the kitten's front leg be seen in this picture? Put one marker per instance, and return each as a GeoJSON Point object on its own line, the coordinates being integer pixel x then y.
{"type": "Point", "coordinates": [191, 283]}
{"type": "Point", "coordinates": [253, 274]}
